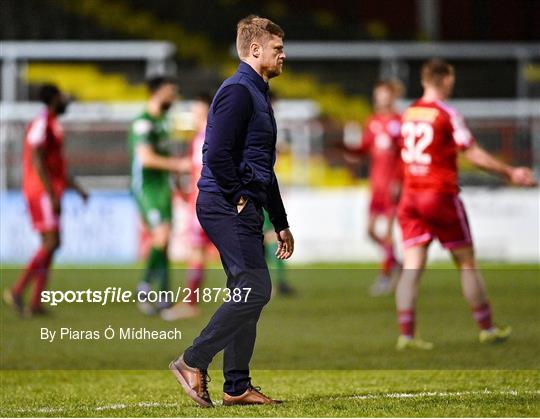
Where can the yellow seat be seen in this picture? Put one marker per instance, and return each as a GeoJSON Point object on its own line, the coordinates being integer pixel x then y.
{"type": "Point", "coordinates": [86, 82]}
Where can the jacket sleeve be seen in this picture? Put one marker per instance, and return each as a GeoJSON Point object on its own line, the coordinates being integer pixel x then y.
{"type": "Point", "coordinates": [232, 110]}
{"type": "Point", "coordinates": [275, 207]}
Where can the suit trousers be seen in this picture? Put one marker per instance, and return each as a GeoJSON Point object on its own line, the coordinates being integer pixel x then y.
{"type": "Point", "coordinates": [233, 327]}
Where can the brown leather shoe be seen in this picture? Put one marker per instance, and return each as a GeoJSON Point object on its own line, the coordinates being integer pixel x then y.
{"type": "Point", "coordinates": [193, 380]}
{"type": "Point", "coordinates": [252, 395]}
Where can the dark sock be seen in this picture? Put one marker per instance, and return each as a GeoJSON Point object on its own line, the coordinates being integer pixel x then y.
{"type": "Point", "coordinates": [152, 261]}
{"type": "Point", "coordinates": [162, 269]}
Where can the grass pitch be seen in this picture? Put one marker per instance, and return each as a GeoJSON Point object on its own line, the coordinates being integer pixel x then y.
{"type": "Point", "coordinates": [327, 352]}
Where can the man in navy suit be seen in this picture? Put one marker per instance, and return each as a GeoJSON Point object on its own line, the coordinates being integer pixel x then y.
{"type": "Point", "coordinates": [237, 181]}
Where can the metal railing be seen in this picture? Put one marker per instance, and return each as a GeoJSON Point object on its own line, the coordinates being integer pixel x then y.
{"type": "Point", "coordinates": [158, 56]}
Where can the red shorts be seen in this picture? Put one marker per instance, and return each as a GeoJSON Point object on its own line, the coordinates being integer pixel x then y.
{"type": "Point", "coordinates": [41, 211]}
{"type": "Point", "coordinates": [383, 203]}
{"type": "Point", "coordinates": [380, 206]}
{"type": "Point", "coordinates": [424, 216]}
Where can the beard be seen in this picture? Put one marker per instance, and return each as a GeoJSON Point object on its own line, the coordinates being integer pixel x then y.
{"type": "Point", "coordinates": [61, 108]}
{"type": "Point", "coordinates": [275, 71]}
{"type": "Point", "coordinates": [165, 106]}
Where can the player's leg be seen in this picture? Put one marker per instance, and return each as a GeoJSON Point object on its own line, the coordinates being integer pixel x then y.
{"type": "Point", "coordinates": [277, 266]}
{"type": "Point", "coordinates": [156, 210]}
{"type": "Point", "coordinates": [196, 269]}
{"type": "Point", "coordinates": [195, 277]}
{"type": "Point", "coordinates": [384, 284]}
{"type": "Point", "coordinates": [47, 223]}
{"type": "Point", "coordinates": [474, 291]}
{"type": "Point", "coordinates": [414, 261]}
{"type": "Point", "coordinates": [416, 240]}
{"type": "Point", "coordinates": [472, 283]}
{"type": "Point", "coordinates": [51, 243]}
{"type": "Point", "coordinates": [157, 268]}
{"type": "Point", "coordinates": [392, 201]}
{"type": "Point", "coordinates": [159, 260]}
{"type": "Point", "coordinates": [390, 259]}
{"type": "Point", "coordinates": [454, 233]}
{"type": "Point", "coordinates": [198, 258]}
{"type": "Point", "coordinates": [381, 285]}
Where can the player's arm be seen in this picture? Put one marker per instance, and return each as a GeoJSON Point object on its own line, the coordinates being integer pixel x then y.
{"type": "Point", "coordinates": [146, 155]}
{"type": "Point", "coordinates": [37, 136]}
{"type": "Point", "coordinates": [73, 184]}
{"type": "Point", "coordinates": [365, 142]}
{"type": "Point", "coordinates": [38, 161]}
{"type": "Point", "coordinates": [463, 138]}
{"type": "Point", "coordinates": [522, 176]}
{"type": "Point", "coordinates": [152, 160]}
{"type": "Point", "coordinates": [278, 218]}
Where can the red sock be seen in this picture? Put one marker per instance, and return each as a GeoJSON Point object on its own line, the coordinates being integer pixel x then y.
{"type": "Point", "coordinates": [389, 259]}
{"type": "Point", "coordinates": [482, 315]}
{"type": "Point", "coordinates": [406, 322]}
{"type": "Point", "coordinates": [32, 268]}
{"type": "Point", "coordinates": [41, 275]}
{"type": "Point", "coordinates": [194, 280]}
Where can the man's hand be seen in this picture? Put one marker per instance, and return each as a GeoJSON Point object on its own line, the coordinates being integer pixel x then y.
{"type": "Point", "coordinates": [285, 244]}
{"type": "Point", "coordinates": [152, 160]}
{"type": "Point", "coordinates": [182, 165]}
{"type": "Point", "coordinates": [56, 204]}
{"type": "Point", "coordinates": [83, 194]}
{"type": "Point", "coordinates": [72, 183]}
{"type": "Point", "coordinates": [522, 176]}
{"type": "Point", "coordinates": [241, 204]}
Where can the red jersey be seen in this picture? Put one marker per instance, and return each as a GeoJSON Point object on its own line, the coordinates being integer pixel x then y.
{"type": "Point", "coordinates": [381, 139]}
{"type": "Point", "coordinates": [44, 132]}
{"type": "Point", "coordinates": [432, 134]}
{"type": "Point", "coordinates": [196, 164]}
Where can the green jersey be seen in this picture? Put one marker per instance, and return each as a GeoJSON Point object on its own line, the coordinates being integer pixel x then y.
{"type": "Point", "coordinates": [151, 187]}
{"type": "Point", "coordinates": [146, 129]}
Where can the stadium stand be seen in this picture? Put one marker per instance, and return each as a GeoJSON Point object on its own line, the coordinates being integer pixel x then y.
{"type": "Point", "coordinates": [85, 82]}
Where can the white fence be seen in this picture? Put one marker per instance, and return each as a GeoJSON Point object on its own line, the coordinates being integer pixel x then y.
{"type": "Point", "coordinates": [96, 137]}
{"type": "Point", "coordinates": [328, 225]}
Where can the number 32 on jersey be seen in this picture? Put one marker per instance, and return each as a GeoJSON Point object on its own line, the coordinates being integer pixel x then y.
{"type": "Point", "coordinates": [417, 136]}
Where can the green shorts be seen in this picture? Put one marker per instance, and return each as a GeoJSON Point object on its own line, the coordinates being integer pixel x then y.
{"type": "Point", "coordinates": [155, 206]}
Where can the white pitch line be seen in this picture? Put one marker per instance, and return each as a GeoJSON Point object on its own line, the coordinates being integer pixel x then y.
{"type": "Point", "coordinates": [441, 394]}
{"type": "Point", "coordinates": [140, 404]}
{"type": "Point", "coordinates": [116, 406]}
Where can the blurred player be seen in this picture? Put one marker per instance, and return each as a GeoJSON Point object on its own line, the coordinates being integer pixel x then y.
{"type": "Point", "coordinates": [198, 238]}
{"type": "Point", "coordinates": [433, 134]}
{"type": "Point", "coordinates": [151, 167]}
{"type": "Point", "coordinates": [380, 140]}
{"type": "Point", "coordinates": [44, 181]}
